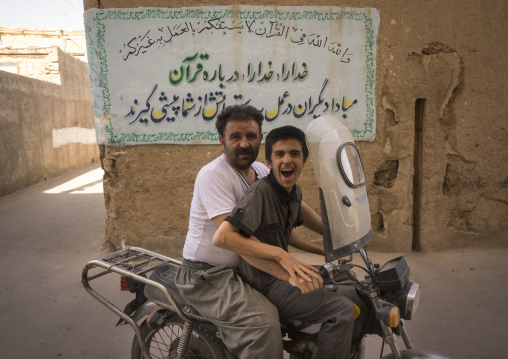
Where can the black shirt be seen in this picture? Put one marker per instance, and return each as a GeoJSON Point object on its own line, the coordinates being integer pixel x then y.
{"type": "Point", "coordinates": [269, 212]}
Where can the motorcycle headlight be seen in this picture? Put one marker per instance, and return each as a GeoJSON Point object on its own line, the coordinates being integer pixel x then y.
{"type": "Point", "coordinates": [409, 300]}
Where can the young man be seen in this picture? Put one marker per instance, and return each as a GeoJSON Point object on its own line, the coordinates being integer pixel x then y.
{"type": "Point", "coordinates": [209, 279]}
{"type": "Point", "coordinates": [269, 211]}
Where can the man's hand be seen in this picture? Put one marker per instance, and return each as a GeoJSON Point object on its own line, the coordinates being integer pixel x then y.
{"type": "Point", "coordinates": [307, 287]}
{"type": "Point", "coordinates": [301, 275]}
{"type": "Point", "coordinates": [298, 274]}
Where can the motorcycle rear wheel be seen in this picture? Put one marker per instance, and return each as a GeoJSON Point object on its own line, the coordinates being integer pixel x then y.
{"type": "Point", "coordinates": [162, 343]}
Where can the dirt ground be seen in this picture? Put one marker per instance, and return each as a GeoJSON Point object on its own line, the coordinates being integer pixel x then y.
{"type": "Point", "coordinates": [50, 230]}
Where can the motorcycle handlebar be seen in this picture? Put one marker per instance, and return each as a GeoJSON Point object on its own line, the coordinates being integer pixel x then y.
{"type": "Point", "coordinates": [334, 272]}
{"type": "Point", "coordinates": [323, 273]}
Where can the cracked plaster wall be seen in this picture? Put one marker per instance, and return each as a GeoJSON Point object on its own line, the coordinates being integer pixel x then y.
{"type": "Point", "coordinates": [452, 54]}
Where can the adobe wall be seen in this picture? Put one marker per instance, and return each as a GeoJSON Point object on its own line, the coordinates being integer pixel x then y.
{"type": "Point", "coordinates": [46, 129]}
{"type": "Point", "coordinates": [450, 54]}
{"type": "Point", "coordinates": [72, 42]}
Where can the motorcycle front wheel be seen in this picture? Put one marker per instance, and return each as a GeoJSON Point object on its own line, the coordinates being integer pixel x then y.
{"type": "Point", "coordinates": [417, 354]}
{"type": "Point", "coordinates": [162, 343]}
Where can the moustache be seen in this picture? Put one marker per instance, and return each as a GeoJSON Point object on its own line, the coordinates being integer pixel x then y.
{"type": "Point", "coordinates": [245, 151]}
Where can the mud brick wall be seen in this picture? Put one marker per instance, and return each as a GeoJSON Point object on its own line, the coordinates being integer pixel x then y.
{"type": "Point", "coordinates": [436, 171]}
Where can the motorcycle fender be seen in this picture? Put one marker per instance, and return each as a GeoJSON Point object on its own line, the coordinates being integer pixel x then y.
{"type": "Point", "coordinates": [418, 354]}
{"type": "Point", "coordinates": [145, 309]}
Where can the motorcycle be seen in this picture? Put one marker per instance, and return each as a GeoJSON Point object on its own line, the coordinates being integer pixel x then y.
{"type": "Point", "coordinates": [165, 326]}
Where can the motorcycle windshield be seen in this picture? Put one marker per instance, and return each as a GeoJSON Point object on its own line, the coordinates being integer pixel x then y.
{"type": "Point", "coordinates": [341, 181]}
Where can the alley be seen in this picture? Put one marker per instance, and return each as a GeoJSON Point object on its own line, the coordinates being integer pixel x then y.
{"type": "Point", "coordinates": [48, 232]}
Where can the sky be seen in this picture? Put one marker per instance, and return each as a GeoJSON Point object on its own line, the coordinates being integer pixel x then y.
{"type": "Point", "coordinates": [42, 14]}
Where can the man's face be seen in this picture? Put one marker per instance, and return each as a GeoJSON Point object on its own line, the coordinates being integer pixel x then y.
{"type": "Point", "coordinates": [240, 143]}
{"type": "Point", "coordinates": [287, 162]}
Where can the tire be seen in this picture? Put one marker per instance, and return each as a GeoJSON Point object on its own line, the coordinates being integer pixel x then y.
{"type": "Point", "coordinates": [417, 354]}
{"type": "Point", "coordinates": [162, 343]}
{"type": "Point", "coordinates": [303, 349]}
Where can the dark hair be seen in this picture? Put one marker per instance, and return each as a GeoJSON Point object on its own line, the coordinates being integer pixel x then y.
{"type": "Point", "coordinates": [285, 133]}
{"type": "Point", "coordinates": [238, 113]}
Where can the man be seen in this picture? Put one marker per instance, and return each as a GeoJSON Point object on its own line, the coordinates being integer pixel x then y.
{"type": "Point", "coordinates": [269, 211]}
{"type": "Point", "coordinates": [208, 279]}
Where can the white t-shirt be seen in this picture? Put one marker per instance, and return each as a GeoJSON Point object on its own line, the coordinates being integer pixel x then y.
{"type": "Point", "coordinates": [217, 190]}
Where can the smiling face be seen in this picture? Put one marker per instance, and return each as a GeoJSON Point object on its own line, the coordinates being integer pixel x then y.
{"type": "Point", "coordinates": [287, 162]}
{"type": "Point", "coordinates": [240, 143]}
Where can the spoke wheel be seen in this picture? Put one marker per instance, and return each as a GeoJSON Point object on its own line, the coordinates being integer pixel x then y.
{"type": "Point", "coordinates": [162, 343]}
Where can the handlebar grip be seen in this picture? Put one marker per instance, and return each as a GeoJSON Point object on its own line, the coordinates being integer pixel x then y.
{"type": "Point", "coordinates": [338, 274]}
{"type": "Point", "coordinates": [323, 273]}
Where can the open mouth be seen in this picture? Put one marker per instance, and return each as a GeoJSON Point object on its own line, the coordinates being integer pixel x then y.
{"type": "Point", "coordinates": [288, 172]}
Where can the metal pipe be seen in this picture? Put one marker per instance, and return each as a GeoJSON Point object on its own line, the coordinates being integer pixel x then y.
{"type": "Point", "coordinates": [169, 259]}
{"type": "Point", "coordinates": [115, 310]}
{"type": "Point", "coordinates": [405, 336]}
{"type": "Point", "coordinates": [122, 267]}
{"type": "Point", "coordinates": [369, 264]}
{"type": "Point", "coordinates": [360, 352]}
{"type": "Point", "coordinates": [389, 338]}
{"type": "Point", "coordinates": [388, 335]}
{"type": "Point", "coordinates": [141, 279]}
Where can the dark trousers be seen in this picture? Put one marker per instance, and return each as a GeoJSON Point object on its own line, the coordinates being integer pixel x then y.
{"type": "Point", "coordinates": [334, 311]}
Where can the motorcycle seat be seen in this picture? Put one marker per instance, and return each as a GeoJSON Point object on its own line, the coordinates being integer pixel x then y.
{"type": "Point", "coordinates": [165, 275]}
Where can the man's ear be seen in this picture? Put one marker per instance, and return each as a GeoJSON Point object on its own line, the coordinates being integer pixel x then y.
{"type": "Point", "coordinates": [221, 140]}
{"type": "Point", "coordinates": [269, 164]}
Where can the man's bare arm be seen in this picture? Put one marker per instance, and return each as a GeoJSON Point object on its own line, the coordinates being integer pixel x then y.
{"type": "Point", "coordinates": [266, 265]}
{"type": "Point", "coordinates": [311, 219]}
{"type": "Point", "coordinates": [228, 237]}
{"type": "Point", "coordinates": [274, 268]}
{"type": "Point", "coordinates": [298, 242]}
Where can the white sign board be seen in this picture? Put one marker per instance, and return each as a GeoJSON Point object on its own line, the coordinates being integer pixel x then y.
{"type": "Point", "coordinates": [162, 75]}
